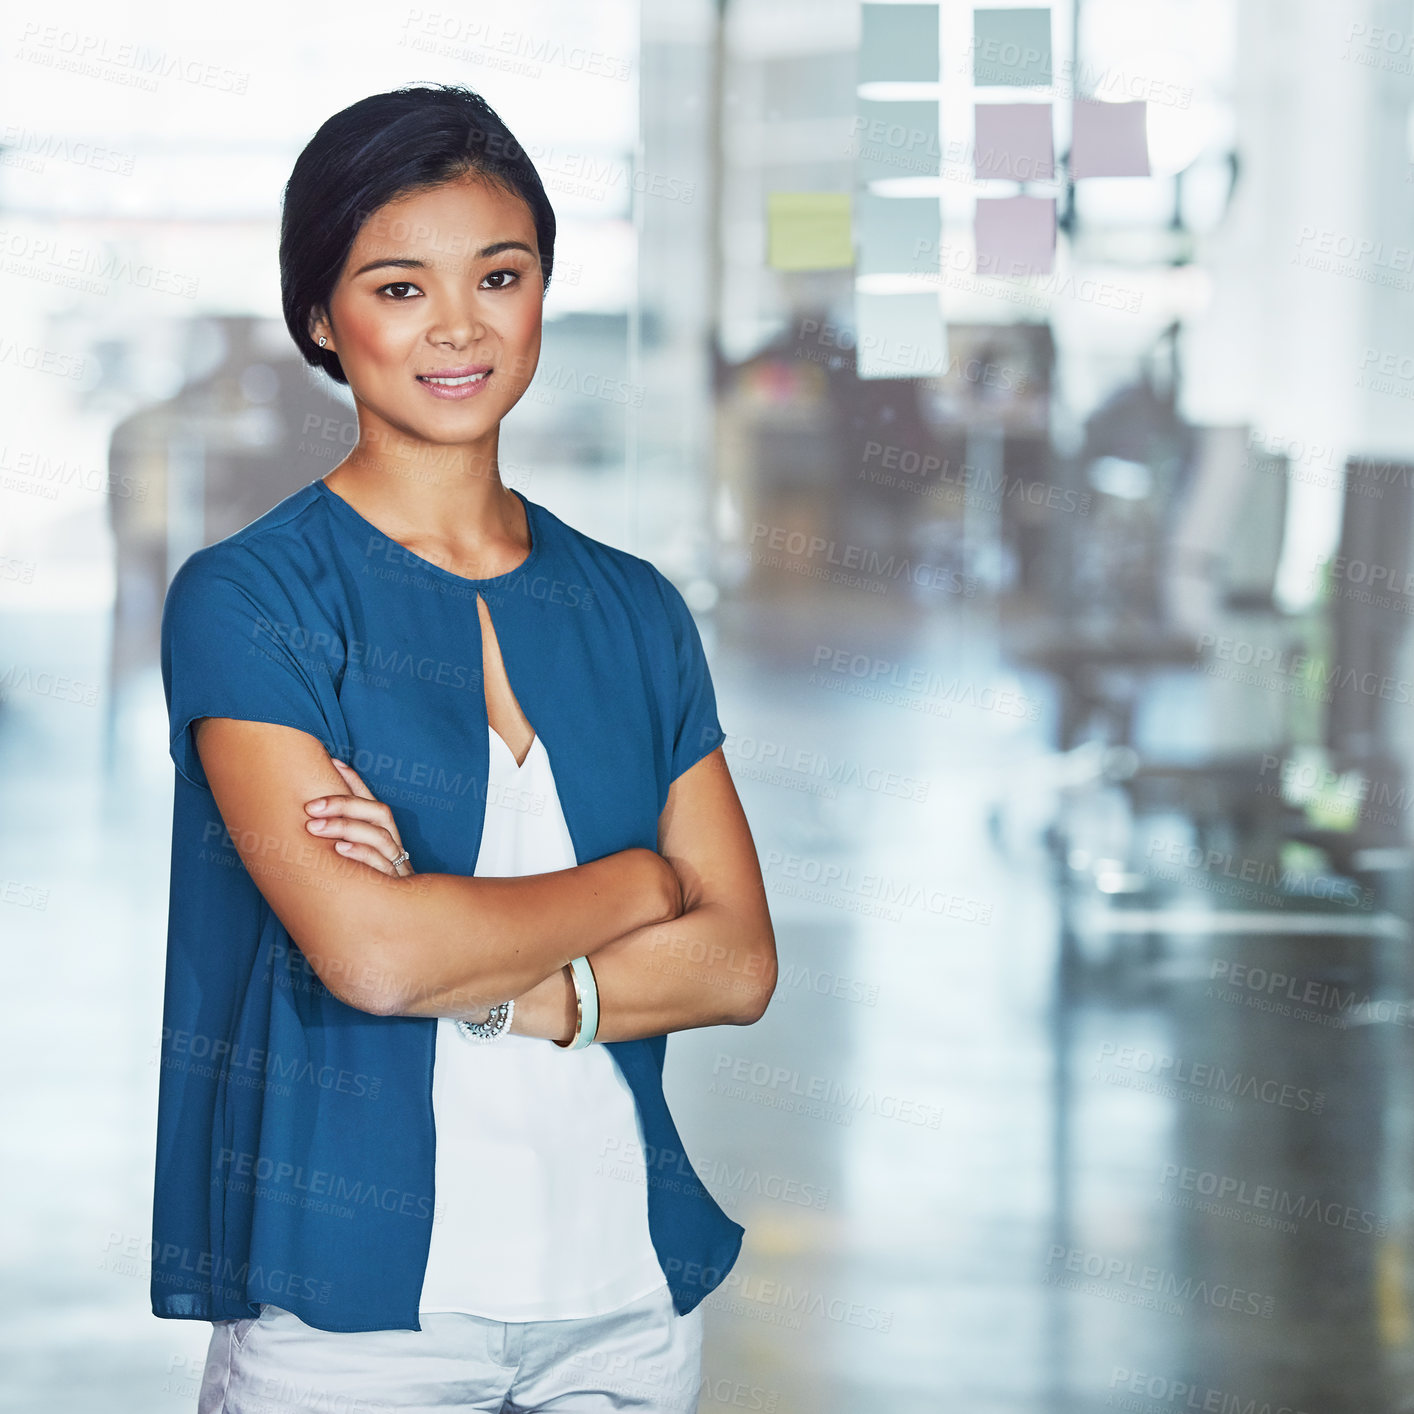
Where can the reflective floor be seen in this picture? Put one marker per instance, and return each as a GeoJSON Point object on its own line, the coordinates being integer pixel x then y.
{"type": "Point", "coordinates": [998, 1145]}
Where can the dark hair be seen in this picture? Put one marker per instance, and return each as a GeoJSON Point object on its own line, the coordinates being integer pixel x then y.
{"type": "Point", "coordinates": [380, 148]}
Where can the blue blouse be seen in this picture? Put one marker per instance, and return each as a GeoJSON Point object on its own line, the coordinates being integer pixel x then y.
{"type": "Point", "coordinates": [295, 1139]}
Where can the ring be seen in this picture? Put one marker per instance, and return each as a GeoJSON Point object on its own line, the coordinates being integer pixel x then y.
{"type": "Point", "coordinates": [401, 859]}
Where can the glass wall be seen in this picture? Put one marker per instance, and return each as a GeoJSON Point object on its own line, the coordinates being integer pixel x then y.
{"type": "Point", "coordinates": [1020, 397]}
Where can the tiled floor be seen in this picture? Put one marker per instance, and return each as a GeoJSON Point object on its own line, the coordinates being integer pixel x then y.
{"type": "Point", "coordinates": [971, 1178]}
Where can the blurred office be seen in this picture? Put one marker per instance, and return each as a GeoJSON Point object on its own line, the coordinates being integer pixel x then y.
{"type": "Point", "coordinates": [1023, 399]}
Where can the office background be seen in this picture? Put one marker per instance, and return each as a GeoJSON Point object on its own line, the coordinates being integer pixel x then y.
{"type": "Point", "coordinates": [1023, 399]}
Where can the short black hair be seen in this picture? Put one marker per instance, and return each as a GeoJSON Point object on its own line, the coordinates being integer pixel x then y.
{"type": "Point", "coordinates": [380, 148]}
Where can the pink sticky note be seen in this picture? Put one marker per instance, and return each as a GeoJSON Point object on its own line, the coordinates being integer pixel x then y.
{"type": "Point", "coordinates": [1109, 140]}
{"type": "Point", "coordinates": [1013, 140]}
{"type": "Point", "coordinates": [1016, 235]}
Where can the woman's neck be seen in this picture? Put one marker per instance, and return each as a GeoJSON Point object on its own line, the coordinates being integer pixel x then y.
{"type": "Point", "coordinates": [446, 505]}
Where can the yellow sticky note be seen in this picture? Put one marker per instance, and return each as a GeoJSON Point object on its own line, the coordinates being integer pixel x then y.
{"type": "Point", "coordinates": [808, 230]}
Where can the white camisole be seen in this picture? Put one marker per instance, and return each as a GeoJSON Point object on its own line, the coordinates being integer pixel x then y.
{"type": "Point", "coordinates": [541, 1206]}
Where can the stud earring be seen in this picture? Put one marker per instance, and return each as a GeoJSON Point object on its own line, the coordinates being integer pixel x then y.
{"type": "Point", "coordinates": [322, 341]}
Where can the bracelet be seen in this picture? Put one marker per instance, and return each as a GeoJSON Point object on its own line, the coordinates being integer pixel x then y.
{"type": "Point", "coordinates": [586, 1005]}
{"type": "Point", "coordinates": [496, 1024]}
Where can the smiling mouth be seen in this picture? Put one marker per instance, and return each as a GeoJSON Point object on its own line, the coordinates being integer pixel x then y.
{"type": "Point", "coordinates": [460, 382]}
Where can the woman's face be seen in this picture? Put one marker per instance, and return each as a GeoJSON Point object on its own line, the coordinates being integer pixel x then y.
{"type": "Point", "coordinates": [440, 286]}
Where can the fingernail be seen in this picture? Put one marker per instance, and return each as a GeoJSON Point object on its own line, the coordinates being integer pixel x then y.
{"type": "Point", "coordinates": [336, 761]}
{"type": "Point", "coordinates": [315, 824]}
{"type": "Point", "coordinates": [344, 845]}
{"type": "Point", "coordinates": [315, 805]}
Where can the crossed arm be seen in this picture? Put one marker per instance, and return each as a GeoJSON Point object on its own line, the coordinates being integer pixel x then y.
{"type": "Point", "coordinates": [678, 938]}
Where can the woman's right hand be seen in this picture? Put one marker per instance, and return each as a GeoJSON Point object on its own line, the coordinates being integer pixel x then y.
{"type": "Point", "coordinates": [361, 824]}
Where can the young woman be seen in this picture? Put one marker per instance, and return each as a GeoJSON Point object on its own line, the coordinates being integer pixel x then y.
{"type": "Point", "coordinates": [454, 848]}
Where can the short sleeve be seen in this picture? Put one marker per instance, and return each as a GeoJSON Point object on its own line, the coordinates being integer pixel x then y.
{"type": "Point", "coordinates": [223, 655]}
{"type": "Point", "coordinates": [697, 732]}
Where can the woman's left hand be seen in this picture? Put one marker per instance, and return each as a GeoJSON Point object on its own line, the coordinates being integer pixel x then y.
{"type": "Point", "coordinates": [360, 823]}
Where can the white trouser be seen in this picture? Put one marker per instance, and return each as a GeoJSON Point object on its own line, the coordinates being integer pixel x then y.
{"type": "Point", "coordinates": [642, 1356]}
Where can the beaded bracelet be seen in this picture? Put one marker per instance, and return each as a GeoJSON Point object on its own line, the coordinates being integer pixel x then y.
{"type": "Point", "coordinates": [496, 1024]}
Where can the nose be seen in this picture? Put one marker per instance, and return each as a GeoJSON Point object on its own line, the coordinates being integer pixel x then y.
{"type": "Point", "coordinates": [457, 326]}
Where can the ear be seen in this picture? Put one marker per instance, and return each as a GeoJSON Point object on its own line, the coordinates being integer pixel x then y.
{"type": "Point", "coordinates": [319, 324]}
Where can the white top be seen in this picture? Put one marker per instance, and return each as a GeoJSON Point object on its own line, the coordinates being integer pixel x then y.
{"type": "Point", "coordinates": [541, 1209]}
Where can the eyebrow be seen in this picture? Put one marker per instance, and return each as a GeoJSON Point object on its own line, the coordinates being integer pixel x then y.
{"type": "Point", "coordinates": [406, 263]}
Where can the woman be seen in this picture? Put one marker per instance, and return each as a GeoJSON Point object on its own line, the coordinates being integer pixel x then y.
{"type": "Point", "coordinates": [451, 823]}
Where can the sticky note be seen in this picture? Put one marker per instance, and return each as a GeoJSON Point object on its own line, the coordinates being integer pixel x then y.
{"type": "Point", "coordinates": [1109, 139]}
{"type": "Point", "coordinates": [1016, 235]}
{"type": "Point", "coordinates": [897, 235]}
{"type": "Point", "coordinates": [899, 336]}
{"type": "Point", "coordinates": [1011, 47]}
{"type": "Point", "coordinates": [808, 230]}
{"type": "Point", "coordinates": [896, 139]}
{"type": "Point", "coordinates": [1013, 140]}
{"type": "Point", "coordinates": [898, 43]}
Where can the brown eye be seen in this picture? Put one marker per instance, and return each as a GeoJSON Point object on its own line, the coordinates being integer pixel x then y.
{"type": "Point", "coordinates": [494, 273]}
{"type": "Point", "coordinates": [403, 285]}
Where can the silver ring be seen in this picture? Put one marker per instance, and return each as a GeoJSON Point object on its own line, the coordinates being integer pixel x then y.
{"type": "Point", "coordinates": [401, 859]}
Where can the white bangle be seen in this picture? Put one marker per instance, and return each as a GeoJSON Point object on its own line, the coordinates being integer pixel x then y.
{"type": "Point", "coordinates": [586, 1000]}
